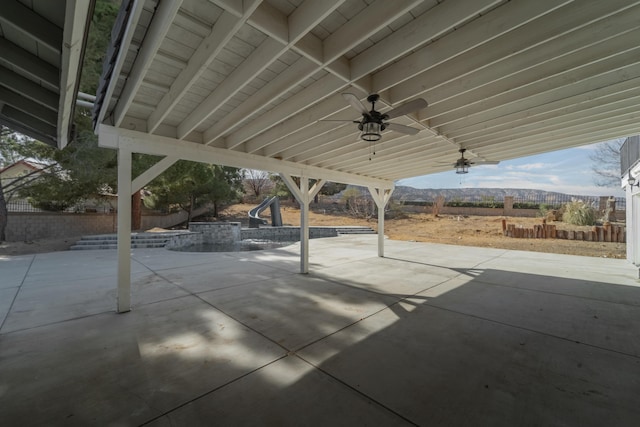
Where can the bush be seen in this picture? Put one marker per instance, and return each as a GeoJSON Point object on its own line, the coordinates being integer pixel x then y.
{"type": "Point", "coordinates": [579, 213]}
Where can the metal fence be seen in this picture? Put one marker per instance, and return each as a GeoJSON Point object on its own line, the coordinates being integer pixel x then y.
{"type": "Point", "coordinates": [527, 201]}
{"type": "Point", "coordinates": [556, 200]}
{"type": "Point", "coordinates": [26, 207]}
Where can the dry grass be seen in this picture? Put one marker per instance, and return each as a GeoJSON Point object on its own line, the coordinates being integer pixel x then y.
{"type": "Point", "coordinates": [482, 231]}
{"type": "Point", "coordinates": [420, 227]}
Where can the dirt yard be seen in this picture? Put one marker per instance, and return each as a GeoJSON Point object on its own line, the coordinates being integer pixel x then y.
{"type": "Point", "coordinates": [420, 227]}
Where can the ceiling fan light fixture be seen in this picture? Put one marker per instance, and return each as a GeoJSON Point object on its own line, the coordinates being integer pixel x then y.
{"type": "Point", "coordinates": [370, 131]}
{"type": "Point", "coordinates": [460, 169]}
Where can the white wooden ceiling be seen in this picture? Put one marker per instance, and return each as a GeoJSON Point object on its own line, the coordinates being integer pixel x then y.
{"type": "Point", "coordinates": [41, 50]}
{"type": "Point", "coordinates": [503, 79]}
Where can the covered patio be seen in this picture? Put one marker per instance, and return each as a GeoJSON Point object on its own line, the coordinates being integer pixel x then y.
{"type": "Point", "coordinates": [429, 335]}
{"type": "Point", "coordinates": [363, 93]}
{"type": "Point", "coordinates": [373, 332]}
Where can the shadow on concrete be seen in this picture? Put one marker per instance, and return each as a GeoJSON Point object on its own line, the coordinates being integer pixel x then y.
{"type": "Point", "coordinates": [456, 346]}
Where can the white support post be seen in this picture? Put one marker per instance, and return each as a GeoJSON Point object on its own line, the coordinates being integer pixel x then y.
{"type": "Point", "coordinates": [124, 230]}
{"type": "Point", "coordinates": [381, 196]}
{"type": "Point", "coordinates": [304, 226]}
{"type": "Point", "coordinates": [303, 195]}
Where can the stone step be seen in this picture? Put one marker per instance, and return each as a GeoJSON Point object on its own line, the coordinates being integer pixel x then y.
{"type": "Point", "coordinates": [115, 246]}
{"type": "Point", "coordinates": [138, 241]}
{"type": "Point", "coordinates": [355, 230]}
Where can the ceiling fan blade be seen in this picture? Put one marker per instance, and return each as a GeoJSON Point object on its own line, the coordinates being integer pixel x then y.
{"type": "Point", "coordinates": [485, 162]}
{"type": "Point", "coordinates": [355, 102]}
{"type": "Point", "coordinates": [338, 120]}
{"type": "Point", "coordinates": [409, 107]}
{"type": "Point", "coordinates": [402, 128]}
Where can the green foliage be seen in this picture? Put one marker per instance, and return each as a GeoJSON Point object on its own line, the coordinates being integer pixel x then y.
{"type": "Point", "coordinates": [98, 41]}
{"type": "Point", "coordinates": [280, 189]}
{"type": "Point", "coordinates": [330, 188]}
{"type": "Point", "coordinates": [189, 185]}
{"type": "Point", "coordinates": [579, 213]}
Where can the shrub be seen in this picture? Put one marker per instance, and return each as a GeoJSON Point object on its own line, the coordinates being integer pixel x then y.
{"type": "Point", "coordinates": [579, 213]}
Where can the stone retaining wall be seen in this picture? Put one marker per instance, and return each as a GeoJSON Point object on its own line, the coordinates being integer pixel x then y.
{"type": "Point", "coordinates": [282, 234]}
{"type": "Point", "coordinates": [217, 232]}
{"type": "Point", "coordinates": [31, 226]}
{"type": "Point", "coordinates": [231, 232]}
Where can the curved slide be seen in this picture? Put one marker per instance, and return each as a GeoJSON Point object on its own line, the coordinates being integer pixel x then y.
{"type": "Point", "coordinates": [276, 218]}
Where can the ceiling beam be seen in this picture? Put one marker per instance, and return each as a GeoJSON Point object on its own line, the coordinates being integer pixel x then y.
{"type": "Point", "coordinates": [275, 140]}
{"type": "Point", "coordinates": [560, 106]}
{"type": "Point", "coordinates": [111, 71]}
{"type": "Point", "coordinates": [319, 90]}
{"type": "Point", "coordinates": [28, 88]}
{"type": "Point", "coordinates": [416, 33]}
{"type": "Point", "coordinates": [78, 15]}
{"type": "Point", "coordinates": [29, 63]}
{"type": "Point", "coordinates": [160, 24]}
{"type": "Point", "coordinates": [25, 20]}
{"type": "Point", "coordinates": [574, 130]}
{"type": "Point", "coordinates": [222, 32]}
{"type": "Point", "coordinates": [306, 17]}
{"type": "Point", "coordinates": [618, 131]}
{"type": "Point", "coordinates": [28, 106]}
{"type": "Point", "coordinates": [487, 27]}
{"type": "Point", "coordinates": [377, 15]}
{"type": "Point", "coordinates": [139, 142]}
{"type": "Point", "coordinates": [30, 122]}
{"type": "Point", "coordinates": [519, 93]}
{"type": "Point", "coordinates": [529, 45]}
{"type": "Point", "coordinates": [292, 76]}
{"type": "Point", "coordinates": [587, 117]}
{"type": "Point", "coordinates": [588, 110]}
{"type": "Point", "coordinates": [19, 127]}
{"type": "Point", "coordinates": [369, 21]}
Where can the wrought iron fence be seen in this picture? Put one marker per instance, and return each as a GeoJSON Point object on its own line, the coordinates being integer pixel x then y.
{"type": "Point", "coordinates": [529, 201]}
{"type": "Point", "coordinates": [26, 207]}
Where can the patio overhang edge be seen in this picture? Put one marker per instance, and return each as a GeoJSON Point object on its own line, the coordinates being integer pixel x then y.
{"type": "Point", "coordinates": [140, 142]}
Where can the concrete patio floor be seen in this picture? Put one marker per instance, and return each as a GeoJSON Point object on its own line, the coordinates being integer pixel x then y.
{"type": "Point", "coordinates": [430, 335]}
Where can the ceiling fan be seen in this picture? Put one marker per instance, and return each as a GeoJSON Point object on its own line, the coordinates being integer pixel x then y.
{"type": "Point", "coordinates": [373, 122]}
{"type": "Point", "coordinates": [462, 164]}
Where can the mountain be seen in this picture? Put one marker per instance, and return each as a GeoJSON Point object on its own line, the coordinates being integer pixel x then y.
{"type": "Point", "coordinates": [483, 194]}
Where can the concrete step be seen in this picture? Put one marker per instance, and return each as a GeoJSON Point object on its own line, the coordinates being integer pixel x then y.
{"type": "Point", "coordinates": [355, 230]}
{"type": "Point", "coordinates": [138, 241]}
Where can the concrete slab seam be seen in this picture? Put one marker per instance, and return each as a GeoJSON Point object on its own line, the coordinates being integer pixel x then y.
{"type": "Point", "coordinates": [557, 293]}
{"type": "Point", "coordinates": [361, 393]}
{"type": "Point", "coordinates": [534, 331]}
{"type": "Point", "coordinates": [15, 296]}
{"type": "Point", "coordinates": [213, 390]}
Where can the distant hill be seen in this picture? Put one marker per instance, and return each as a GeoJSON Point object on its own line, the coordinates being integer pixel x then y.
{"type": "Point", "coordinates": [408, 194]}
{"type": "Point", "coordinates": [482, 194]}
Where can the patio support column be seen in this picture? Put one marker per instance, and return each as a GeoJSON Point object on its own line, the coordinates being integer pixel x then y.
{"type": "Point", "coordinates": [124, 230]}
{"type": "Point", "coordinates": [303, 195]}
{"type": "Point", "coordinates": [304, 226]}
{"type": "Point", "coordinates": [381, 196]}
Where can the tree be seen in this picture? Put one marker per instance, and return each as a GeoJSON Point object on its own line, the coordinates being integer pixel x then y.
{"type": "Point", "coordinates": [13, 148]}
{"type": "Point", "coordinates": [606, 163]}
{"type": "Point", "coordinates": [256, 181]}
{"type": "Point", "coordinates": [189, 185]}
{"type": "Point", "coordinates": [329, 188]}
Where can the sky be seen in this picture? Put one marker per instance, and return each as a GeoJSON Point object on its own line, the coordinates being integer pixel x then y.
{"type": "Point", "coordinates": [566, 171]}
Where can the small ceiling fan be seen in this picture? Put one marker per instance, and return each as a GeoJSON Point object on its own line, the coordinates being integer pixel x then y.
{"type": "Point", "coordinates": [462, 164]}
{"type": "Point", "coordinates": [373, 122]}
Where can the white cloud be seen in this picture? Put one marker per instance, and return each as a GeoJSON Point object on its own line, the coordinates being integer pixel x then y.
{"type": "Point", "coordinates": [531, 166]}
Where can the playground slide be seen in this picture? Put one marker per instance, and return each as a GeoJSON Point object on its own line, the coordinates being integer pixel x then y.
{"type": "Point", "coordinates": [274, 206]}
